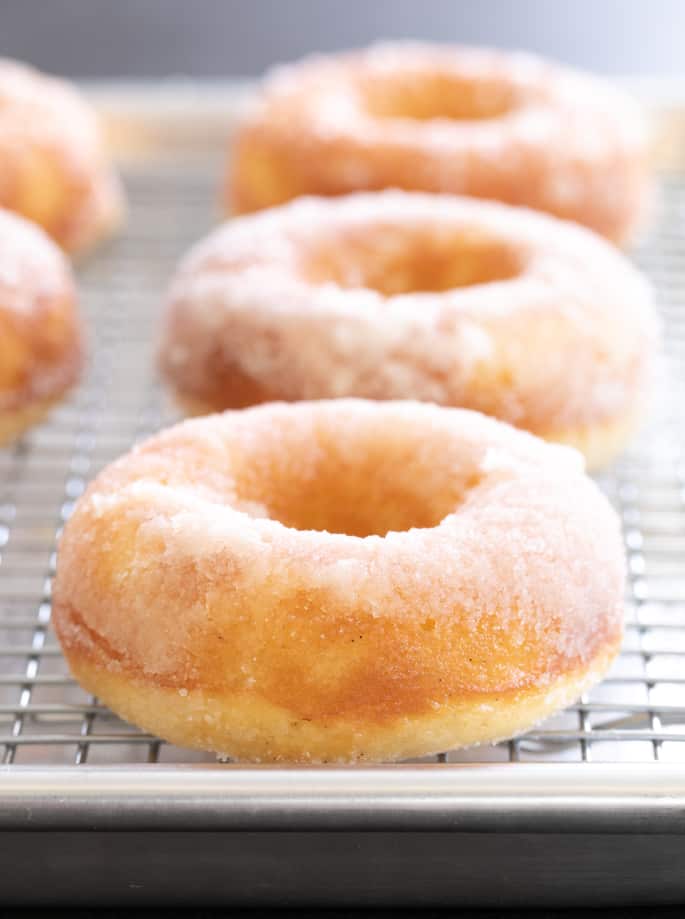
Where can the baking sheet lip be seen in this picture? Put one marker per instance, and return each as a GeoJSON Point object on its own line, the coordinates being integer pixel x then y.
{"type": "Point", "coordinates": [660, 807]}
{"type": "Point", "coordinates": [185, 101]}
{"type": "Point", "coordinates": [649, 88]}
{"type": "Point", "coordinates": [555, 798]}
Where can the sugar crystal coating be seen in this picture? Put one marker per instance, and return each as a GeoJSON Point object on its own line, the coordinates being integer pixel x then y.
{"type": "Point", "coordinates": [40, 334]}
{"type": "Point", "coordinates": [489, 124]}
{"type": "Point", "coordinates": [53, 166]}
{"type": "Point", "coordinates": [546, 326]}
{"type": "Point", "coordinates": [177, 569]}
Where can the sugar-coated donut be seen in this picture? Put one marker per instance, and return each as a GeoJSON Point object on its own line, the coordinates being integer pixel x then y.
{"type": "Point", "coordinates": [505, 126]}
{"type": "Point", "coordinates": [341, 580]}
{"type": "Point", "coordinates": [41, 341]}
{"type": "Point", "coordinates": [394, 295]}
{"type": "Point", "coordinates": [53, 167]}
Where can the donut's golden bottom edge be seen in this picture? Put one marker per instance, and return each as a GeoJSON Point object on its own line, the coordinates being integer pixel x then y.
{"type": "Point", "coordinates": [245, 727]}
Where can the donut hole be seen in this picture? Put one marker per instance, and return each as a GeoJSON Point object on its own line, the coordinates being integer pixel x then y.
{"type": "Point", "coordinates": [431, 96]}
{"type": "Point", "coordinates": [368, 485]}
{"type": "Point", "coordinates": [394, 260]}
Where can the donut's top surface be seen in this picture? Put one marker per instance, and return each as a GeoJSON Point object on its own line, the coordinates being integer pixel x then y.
{"type": "Point", "coordinates": [491, 124]}
{"type": "Point", "coordinates": [33, 104]}
{"type": "Point", "coordinates": [403, 294]}
{"type": "Point", "coordinates": [441, 90]}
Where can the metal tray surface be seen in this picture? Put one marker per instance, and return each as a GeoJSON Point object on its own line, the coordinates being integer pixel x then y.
{"type": "Point", "coordinates": [588, 808]}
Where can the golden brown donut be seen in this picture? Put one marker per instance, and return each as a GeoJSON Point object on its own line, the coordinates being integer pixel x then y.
{"type": "Point", "coordinates": [41, 342]}
{"type": "Point", "coordinates": [491, 124]}
{"type": "Point", "coordinates": [395, 295]}
{"type": "Point", "coordinates": [342, 580]}
{"type": "Point", "coordinates": [53, 167]}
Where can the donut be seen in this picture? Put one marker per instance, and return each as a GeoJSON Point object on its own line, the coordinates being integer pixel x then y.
{"type": "Point", "coordinates": [53, 167]}
{"type": "Point", "coordinates": [340, 581]}
{"type": "Point", "coordinates": [41, 342]}
{"type": "Point", "coordinates": [489, 124]}
{"type": "Point", "coordinates": [403, 295]}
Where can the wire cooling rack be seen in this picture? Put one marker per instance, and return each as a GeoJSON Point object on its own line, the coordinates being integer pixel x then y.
{"type": "Point", "coordinates": [637, 714]}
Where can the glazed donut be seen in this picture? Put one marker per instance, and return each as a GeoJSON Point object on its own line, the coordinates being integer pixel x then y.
{"type": "Point", "coordinates": [41, 347]}
{"type": "Point", "coordinates": [394, 295]}
{"type": "Point", "coordinates": [342, 580]}
{"type": "Point", "coordinates": [53, 168]}
{"type": "Point", "coordinates": [509, 127]}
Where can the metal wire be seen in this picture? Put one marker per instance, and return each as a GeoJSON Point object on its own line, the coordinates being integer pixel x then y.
{"type": "Point", "coordinates": [637, 713]}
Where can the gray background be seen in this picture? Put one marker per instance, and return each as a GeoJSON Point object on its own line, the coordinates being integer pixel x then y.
{"type": "Point", "coordinates": [211, 38]}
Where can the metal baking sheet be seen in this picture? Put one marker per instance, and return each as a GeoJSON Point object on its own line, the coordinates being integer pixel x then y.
{"type": "Point", "coordinates": [613, 765]}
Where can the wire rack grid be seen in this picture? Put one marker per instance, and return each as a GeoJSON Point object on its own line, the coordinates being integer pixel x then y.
{"type": "Point", "coordinates": [636, 714]}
